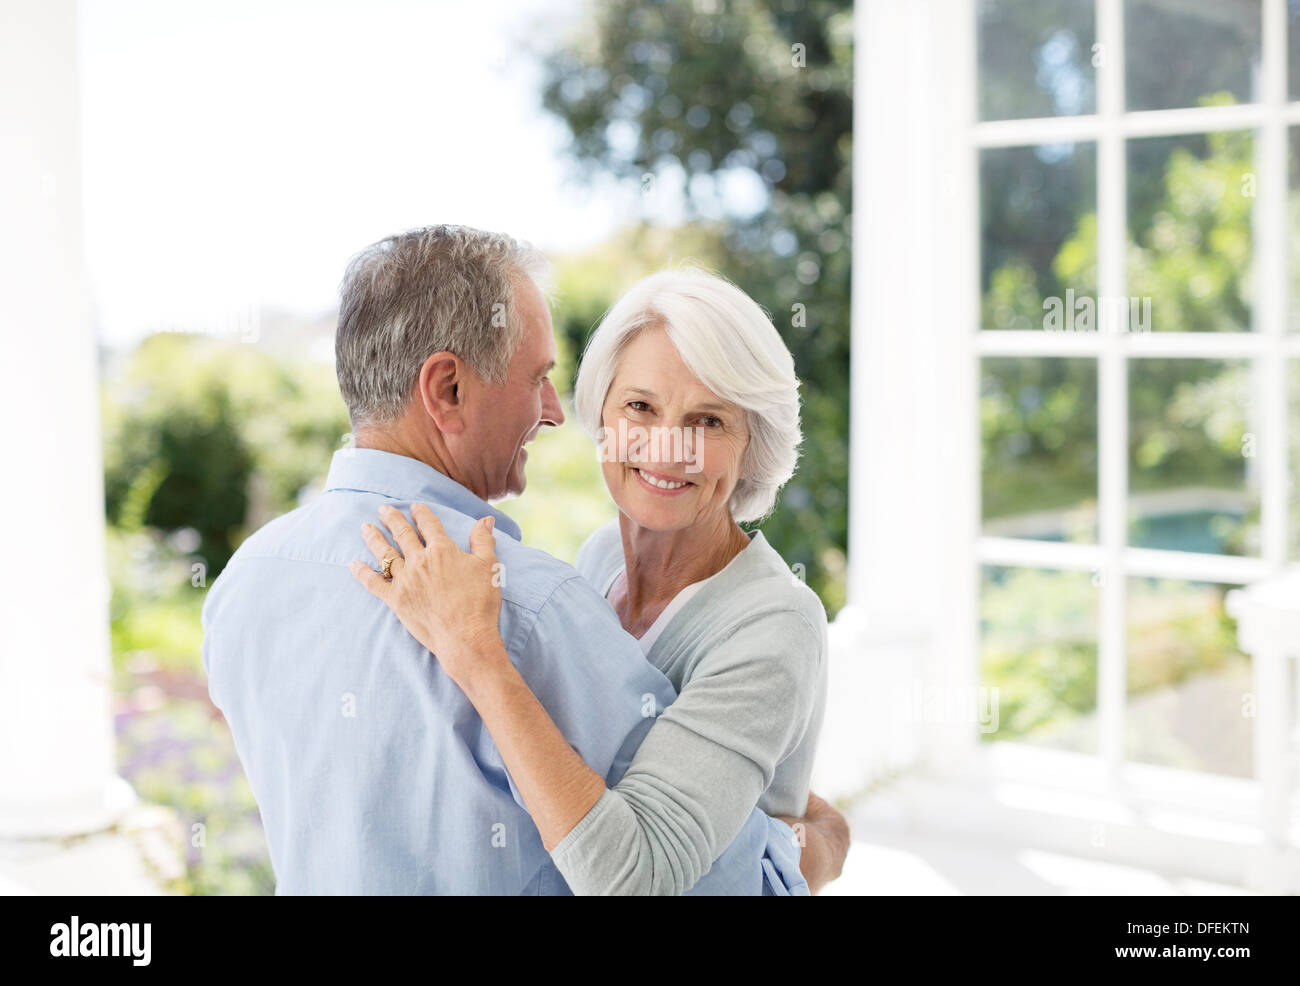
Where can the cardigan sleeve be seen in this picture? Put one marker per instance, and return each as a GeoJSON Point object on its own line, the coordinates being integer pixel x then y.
{"type": "Point", "coordinates": [703, 766]}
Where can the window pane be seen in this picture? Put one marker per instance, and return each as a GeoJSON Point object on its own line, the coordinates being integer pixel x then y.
{"type": "Point", "coordinates": [1189, 688]}
{"type": "Point", "coordinates": [1189, 226]}
{"type": "Point", "coordinates": [1035, 58]}
{"type": "Point", "coordinates": [1192, 466]}
{"type": "Point", "coordinates": [1038, 656]}
{"type": "Point", "coordinates": [1293, 211]}
{"type": "Point", "coordinates": [1188, 54]}
{"type": "Point", "coordinates": [1038, 421]}
{"type": "Point", "coordinates": [1038, 230]}
{"type": "Point", "coordinates": [1293, 391]}
{"type": "Point", "coordinates": [1294, 32]}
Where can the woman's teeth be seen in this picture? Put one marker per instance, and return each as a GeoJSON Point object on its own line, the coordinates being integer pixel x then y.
{"type": "Point", "coordinates": [663, 484]}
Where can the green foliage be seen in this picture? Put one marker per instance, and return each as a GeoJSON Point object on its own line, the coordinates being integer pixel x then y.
{"type": "Point", "coordinates": [213, 436]}
{"type": "Point", "coordinates": [155, 605]}
{"type": "Point", "coordinates": [1040, 442]}
{"type": "Point", "coordinates": [1177, 629]}
{"type": "Point", "coordinates": [1039, 649]}
{"type": "Point", "coordinates": [180, 755]}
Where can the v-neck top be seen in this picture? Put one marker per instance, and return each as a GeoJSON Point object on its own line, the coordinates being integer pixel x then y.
{"type": "Point", "coordinates": [647, 639]}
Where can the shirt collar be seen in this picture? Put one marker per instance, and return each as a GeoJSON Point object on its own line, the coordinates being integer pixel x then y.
{"type": "Point", "coordinates": [370, 470]}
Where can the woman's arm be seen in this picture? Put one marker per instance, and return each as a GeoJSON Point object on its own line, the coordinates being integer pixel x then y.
{"type": "Point", "coordinates": [558, 788]}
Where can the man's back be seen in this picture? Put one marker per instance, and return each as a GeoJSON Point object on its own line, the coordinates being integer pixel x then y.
{"type": "Point", "coordinates": [372, 770]}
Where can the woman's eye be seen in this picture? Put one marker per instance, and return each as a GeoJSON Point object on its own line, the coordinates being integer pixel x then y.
{"type": "Point", "coordinates": [638, 405]}
{"type": "Point", "coordinates": [709, 421]}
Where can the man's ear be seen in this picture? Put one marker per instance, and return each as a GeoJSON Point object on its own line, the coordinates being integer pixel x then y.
{"type": "Point", "coordinates": [441, 387]}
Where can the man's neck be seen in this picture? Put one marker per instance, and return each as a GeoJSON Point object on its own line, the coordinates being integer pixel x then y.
{"type": "Point", "coordinates": [400, 440]}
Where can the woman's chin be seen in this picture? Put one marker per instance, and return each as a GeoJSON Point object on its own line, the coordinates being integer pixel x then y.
{"type": "Point", "coordinates": [652, 516]}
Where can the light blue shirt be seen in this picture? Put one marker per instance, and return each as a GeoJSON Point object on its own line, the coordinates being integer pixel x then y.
{"type": "Point", "coordinates": [372, 770]}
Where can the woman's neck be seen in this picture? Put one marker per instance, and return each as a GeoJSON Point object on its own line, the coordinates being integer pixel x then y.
{"type": "Point", "coordinates": [660, 564]}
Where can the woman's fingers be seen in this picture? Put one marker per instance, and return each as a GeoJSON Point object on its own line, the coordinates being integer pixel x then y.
{"type": "Point", "coordinates": [372, 581]}
{"type": "Point", "coordinates": [431, 528]}
{"type": "Point", "coordinates": [481, 542]}
{"type": "Point", "coordinates": [403, 533]}
{"type": "Point", "coordinates": [378, 544]}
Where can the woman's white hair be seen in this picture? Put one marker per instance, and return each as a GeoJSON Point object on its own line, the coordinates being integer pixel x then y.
{"type": "Point", "coordinates": [726, 340]}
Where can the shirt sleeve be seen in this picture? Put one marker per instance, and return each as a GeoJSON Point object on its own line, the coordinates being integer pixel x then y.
{"type": "Point", "coordinates": [701, 770]}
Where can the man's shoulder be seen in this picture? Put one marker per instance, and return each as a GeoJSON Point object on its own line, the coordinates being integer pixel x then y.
{"type": "Point", "coordinates": [304, 534]}
{"type": "Point", "coordinates": [286, 539]}
{"type": "Point", "coordinates": [530, 576]}
{"type": "Point", "coordinates": [327, 532]}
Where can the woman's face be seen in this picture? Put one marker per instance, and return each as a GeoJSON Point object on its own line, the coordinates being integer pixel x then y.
{"type": "Point", "coordinates": [673, 448]}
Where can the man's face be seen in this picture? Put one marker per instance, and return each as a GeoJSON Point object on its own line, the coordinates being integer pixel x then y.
{"type": "Point", "coordinates": [501, 420]}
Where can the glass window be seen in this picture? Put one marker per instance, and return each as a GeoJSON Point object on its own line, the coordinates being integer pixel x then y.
{"type": "Point", "coordinates": [1038, 656]}
{"type": "Point", "coordinates": [1188, 54]}
{"type": "Point", "coordinates": [1038, 231]}
{"type": "Point", "coordinates": [1189, 222]}
{"type": "Point", "coordinates": [1035, 58]}
{"type": "Point", "coordinates": [1190, 702]}
{"type": "Point", "coordinates": [1186, 413]}
{"type": "Point", "coordinates": [1192, 457]}
{"type": "Point", "coordinates": [1293, 227]}
{"type": "Point", "coordinates": [1293, 32]}
{"type": "Point", "coordinates": [1038, 423]}
{"type": "Point", "coordinates": [1293, 432]}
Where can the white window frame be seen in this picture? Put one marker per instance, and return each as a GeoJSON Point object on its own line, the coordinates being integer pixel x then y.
{"type": "Point", "coordinates": [916, 548]}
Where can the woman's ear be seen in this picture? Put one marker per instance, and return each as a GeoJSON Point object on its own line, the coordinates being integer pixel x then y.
{"type": "Point", "coordinates": [442, 391]}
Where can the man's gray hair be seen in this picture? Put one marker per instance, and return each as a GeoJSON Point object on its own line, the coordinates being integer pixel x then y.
{"type": "Point", "coordinates": [421, 292]}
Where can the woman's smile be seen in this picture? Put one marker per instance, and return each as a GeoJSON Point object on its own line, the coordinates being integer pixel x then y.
{"type": "Point", "coordinates": [661, 484]}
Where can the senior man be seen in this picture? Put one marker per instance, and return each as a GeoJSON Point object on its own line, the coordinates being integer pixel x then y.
{"type": "Point", "coordinates": [372, 771]}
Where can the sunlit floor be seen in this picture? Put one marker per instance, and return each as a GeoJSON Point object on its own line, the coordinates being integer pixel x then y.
{"type": "Point", "coordinates": [882, 862]}
{"type": "Point", "coordinates": [887, 860]}
{"type": "Point", "coordinates": [105, 864]}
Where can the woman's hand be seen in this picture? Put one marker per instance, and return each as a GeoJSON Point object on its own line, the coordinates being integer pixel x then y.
{"type": "Point", "coordinates": [450, 601]}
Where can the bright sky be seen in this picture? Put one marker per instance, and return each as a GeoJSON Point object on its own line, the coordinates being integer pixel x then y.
{"type": "Point", "coordinates": [238, 152]}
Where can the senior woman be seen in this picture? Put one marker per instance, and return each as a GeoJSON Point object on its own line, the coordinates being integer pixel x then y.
{"type": "Point", "coordinates": [691, 396]}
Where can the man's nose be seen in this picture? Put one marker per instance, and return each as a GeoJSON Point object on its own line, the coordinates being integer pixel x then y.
{"type": "Point", "coordinates": [552, 410]}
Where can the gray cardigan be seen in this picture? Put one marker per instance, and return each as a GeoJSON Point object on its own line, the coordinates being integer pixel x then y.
{"type": "Point", "coordinates": [747, 655]}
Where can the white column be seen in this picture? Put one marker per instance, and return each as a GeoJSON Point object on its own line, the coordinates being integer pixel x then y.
{"type": "Point", "coordinates": [56, 732]}
{"type": "Point", "coordinates": [905, 645]}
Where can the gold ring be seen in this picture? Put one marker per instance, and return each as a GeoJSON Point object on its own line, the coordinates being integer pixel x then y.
{"type": "Point", "coordinates": [388, 566]}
